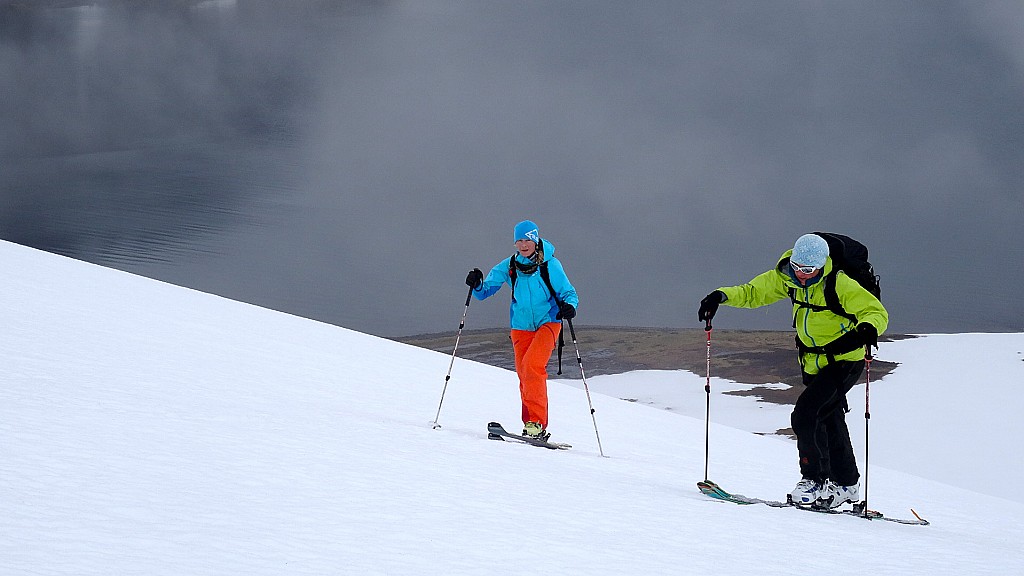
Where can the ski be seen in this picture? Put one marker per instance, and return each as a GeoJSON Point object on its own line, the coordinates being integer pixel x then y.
{"type": "Point", "coordinates": [496, 431]}
{"type": "Point", "coordinates": [709, 488]}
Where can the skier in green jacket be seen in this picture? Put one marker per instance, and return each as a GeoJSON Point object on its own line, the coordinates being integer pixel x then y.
{"type": "Point", "coordinates": [832, 351]}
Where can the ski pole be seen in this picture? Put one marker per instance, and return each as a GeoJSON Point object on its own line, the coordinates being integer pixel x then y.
{"type": "Point", "coordinates": [707, 413]}
{"type": "Point", "coordinates": [867, 420]}
{"type": "Point", "coordinates": [579, 360]}
{"type": "Point", "coordinates": [452, 363]}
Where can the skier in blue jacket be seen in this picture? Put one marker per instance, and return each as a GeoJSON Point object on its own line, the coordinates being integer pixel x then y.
{"type": "Point", "coordinates": [538, 306]}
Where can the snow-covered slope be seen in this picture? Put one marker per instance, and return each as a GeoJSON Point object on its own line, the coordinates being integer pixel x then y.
{"type": "Point", "coordinates": [150, 429]}
{"type": "Point", "coordinates": [950, 411]}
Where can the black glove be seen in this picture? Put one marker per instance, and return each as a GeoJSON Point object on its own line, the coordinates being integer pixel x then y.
{"type": "Point", "coordinates": [474, 278]}
{"type": "Point", "coordinates": [565, 312]}
{"type": "Point", "coordinates": [868, 334]}
{"type": "Point", "coordinates": [709, 305]}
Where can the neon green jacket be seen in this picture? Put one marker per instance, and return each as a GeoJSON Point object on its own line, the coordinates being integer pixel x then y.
{"type": "Point", "coordinates": [813, 328]}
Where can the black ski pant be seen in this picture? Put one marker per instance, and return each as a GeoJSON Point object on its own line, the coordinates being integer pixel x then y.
{"type": "Point", "coordinates": [819, 422]}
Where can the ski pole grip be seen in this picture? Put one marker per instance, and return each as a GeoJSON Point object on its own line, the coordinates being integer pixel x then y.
{"type": "Point", "coordinates": [469, 296]}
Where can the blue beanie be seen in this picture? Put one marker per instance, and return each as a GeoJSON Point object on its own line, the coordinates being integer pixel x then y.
{"type": "Point", "coordinates": [526, 230]}
{"type": "Point", "coordinates": [810, 250]}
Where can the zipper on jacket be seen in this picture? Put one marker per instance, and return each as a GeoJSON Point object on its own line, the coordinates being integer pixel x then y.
{"type": "Point", "coordinates": [807, 315]}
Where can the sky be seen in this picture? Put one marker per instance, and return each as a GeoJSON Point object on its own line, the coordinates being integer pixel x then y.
{"type": "Point", "coordinates": [351, 161]}
{"type": "Point", "coordinates": [151, 429]}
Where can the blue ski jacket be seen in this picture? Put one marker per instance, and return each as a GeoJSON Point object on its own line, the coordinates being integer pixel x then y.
{"type": "Point", "coordinates": [533, 305]}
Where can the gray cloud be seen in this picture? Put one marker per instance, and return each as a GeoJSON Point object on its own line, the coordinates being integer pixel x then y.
{"type": "Point", "coordinates": [666, 148]}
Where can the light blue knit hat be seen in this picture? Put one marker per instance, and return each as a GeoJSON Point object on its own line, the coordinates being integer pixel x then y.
{"type": "Point", "coordinates": [810, 250]}
{"type": "Point", "coordinates": [526, 230]}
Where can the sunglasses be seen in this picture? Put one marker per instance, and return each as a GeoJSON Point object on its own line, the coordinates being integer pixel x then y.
{"type": "Point", "coordinates": [803, 269]}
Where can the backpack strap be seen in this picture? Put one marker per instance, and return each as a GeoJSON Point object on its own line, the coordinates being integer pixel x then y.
{"type": "Point", "coordinates": [846, 343]}
{"type": "Point", "coordinates": [831, 301]}
{"type": "Point", "coordinates": [832, 298]}
{"type": "Point", "coordinates": [512, 275]}
{"type": "Point", "coordinates": [546, 277]}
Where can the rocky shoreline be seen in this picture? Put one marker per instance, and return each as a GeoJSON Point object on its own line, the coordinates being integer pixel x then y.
{"type": "Point", "coordinates": [755, 357]}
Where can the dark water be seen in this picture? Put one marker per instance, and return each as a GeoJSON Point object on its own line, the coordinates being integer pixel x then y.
{"type": "Point", "coordinates": [349, 161]}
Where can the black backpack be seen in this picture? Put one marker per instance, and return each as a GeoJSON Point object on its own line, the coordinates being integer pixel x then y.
{"type": "Point", "coordinates": [851, 257]}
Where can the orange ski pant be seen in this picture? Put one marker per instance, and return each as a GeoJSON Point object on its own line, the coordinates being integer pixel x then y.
{"type": "Point", "coordinates": [533, 350]}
